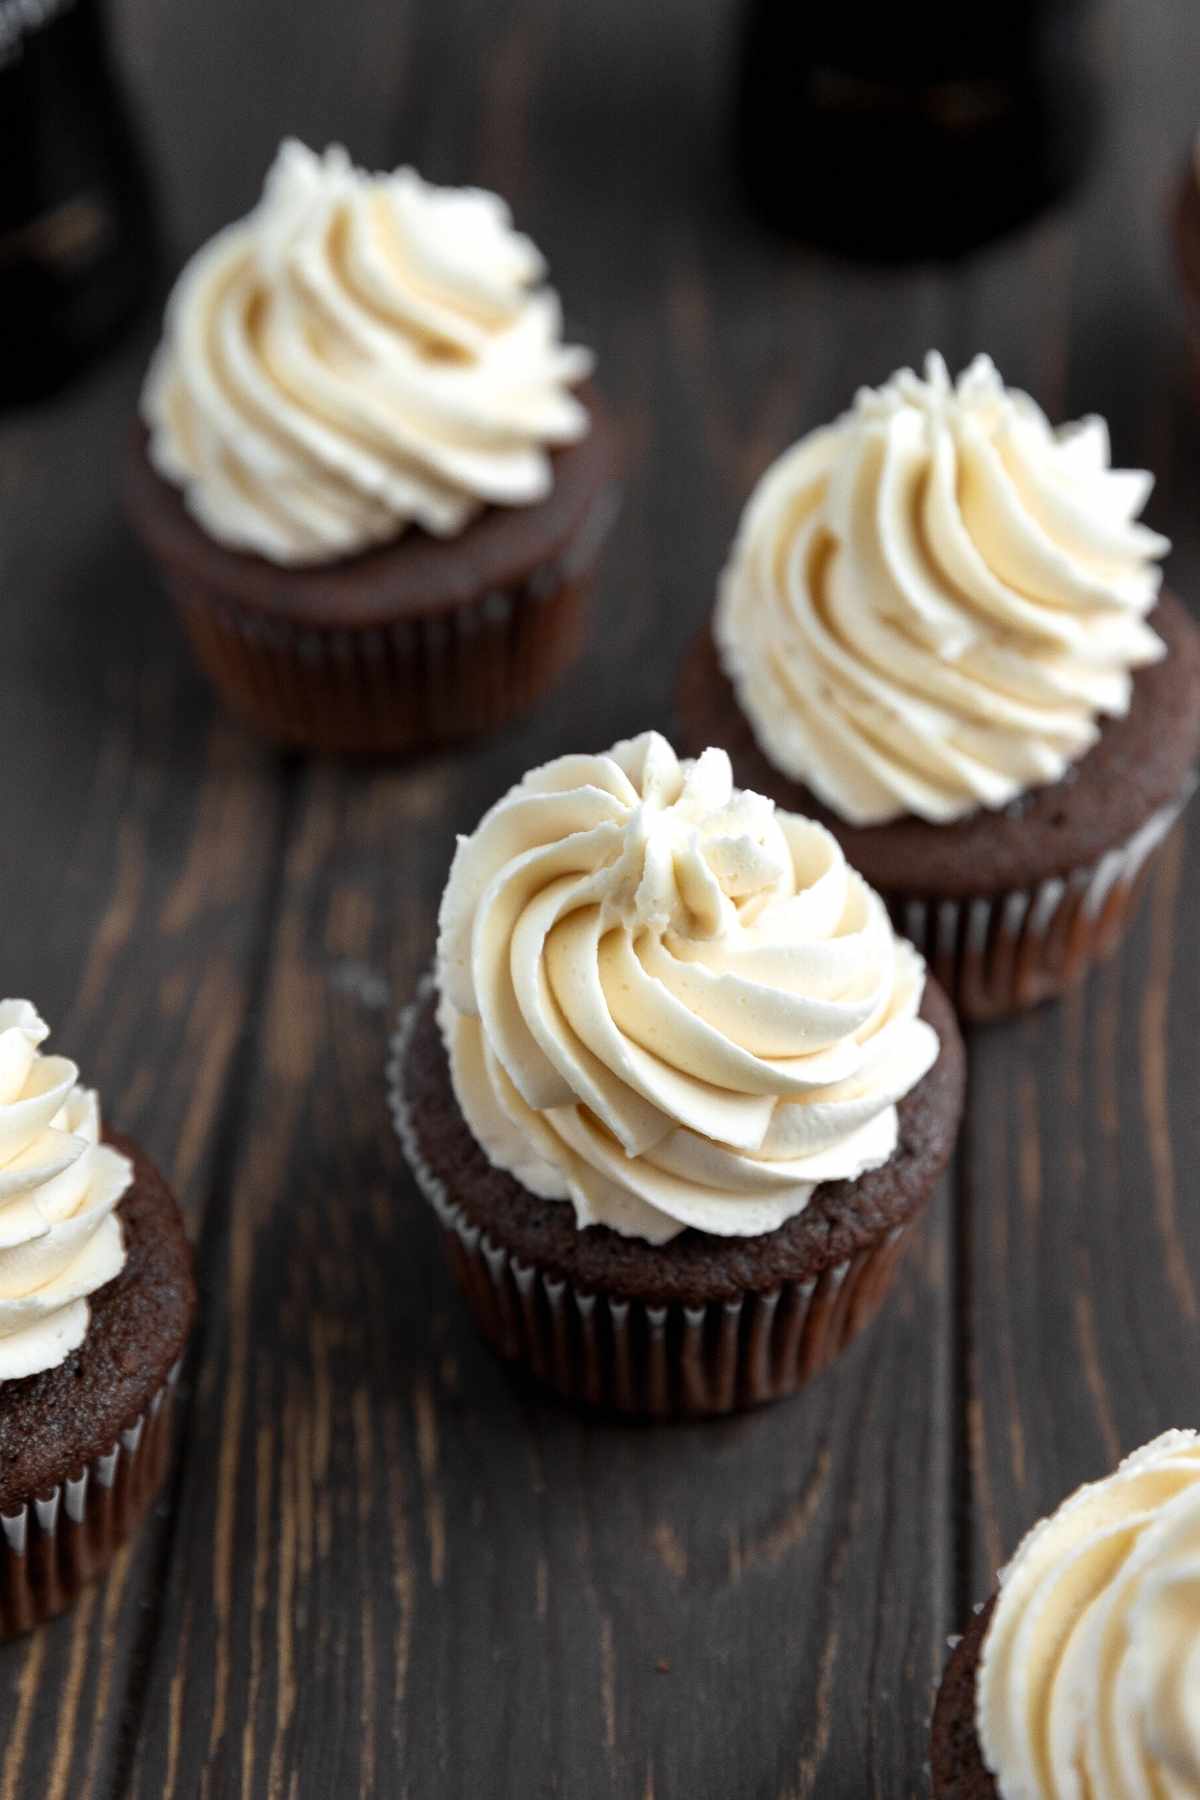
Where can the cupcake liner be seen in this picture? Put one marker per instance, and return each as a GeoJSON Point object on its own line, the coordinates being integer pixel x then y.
{"type": "Point", "coordinates": [998, 955]}
{"type": "Point", "coordinates": [60, 1540]}
{"type": "Point", "coordinates": [665, 1361]}
{"type": "Point", "coordinates": [626, 1356]}
{"type": "Point", "coordinates": [401, 683]}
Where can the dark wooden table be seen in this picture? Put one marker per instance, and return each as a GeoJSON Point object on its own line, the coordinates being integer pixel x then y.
{"type": "Point", "coordinates": [383, 1566]}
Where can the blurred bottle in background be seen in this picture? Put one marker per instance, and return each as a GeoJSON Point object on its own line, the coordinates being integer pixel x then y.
{"type": "Point", "coordinates": [77, 238]}
{"type": "Point", "coordinates": [894, 131]}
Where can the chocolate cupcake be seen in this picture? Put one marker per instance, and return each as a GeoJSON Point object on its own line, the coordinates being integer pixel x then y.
{"type": "Point", "coordinates": [1079, 1676]}
{"type": "Point", "coordinates": [940, 633]}
{"type": "Point", "coordinates": [96, 1302]}
{"type": "Point", "coordinates": [374, 476]}
{"type": "Point", "coordinates": [678, 1092]}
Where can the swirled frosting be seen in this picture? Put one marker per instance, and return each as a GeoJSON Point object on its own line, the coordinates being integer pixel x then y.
{"type": "Point", "coordinates": [669, 1003]}
{"type": "Point", "coordinates": [361, 353]}
{"type": "Point", "coordinates": [60, 1238]}
{"type": "Point", "coordinates": [930, 604]}
{"type": "Point", "coordinates": [1089, 1678]}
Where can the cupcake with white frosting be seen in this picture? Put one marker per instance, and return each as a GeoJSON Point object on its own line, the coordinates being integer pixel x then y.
{"type": "Point", "coordinates": [940, 630]}
{"type": "Point", "coordinates": [678, 1090]}
{"type": "Point", "coordinates": [96, 1301]}
{"type": "Point", "coordinates": [1079, 1677]}
{"type": "Point", "coordinates": [372, 468]}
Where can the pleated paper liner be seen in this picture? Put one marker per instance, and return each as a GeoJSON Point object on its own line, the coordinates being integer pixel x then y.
{"type": "Point", "coordinates": [405, 683]}
{"type": "Point", "coordinates": [624, 1356]}
{"type": "Point", "coordinates": [60, 1541]}
{"type": "Point", "coordinates": [666, 1362]}
{"type": "Point", "coordinates": [999, 955]}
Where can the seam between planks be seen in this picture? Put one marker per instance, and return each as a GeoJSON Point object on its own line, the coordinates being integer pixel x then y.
{"type": "Point", "coordinates": [227, 1148]}
{"type": "Point", "coordinates": [960, 1374]}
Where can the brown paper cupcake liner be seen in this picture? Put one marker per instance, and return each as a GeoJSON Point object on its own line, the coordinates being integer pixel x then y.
{"type": "Point", "coordinates": [403, 683]}
{"type": "Point", "coordinates": [998, 955]}
{"type": "Point", "coordinates": [625, 1356]}
{"type": "Point", "coordinates": [61, 1540]}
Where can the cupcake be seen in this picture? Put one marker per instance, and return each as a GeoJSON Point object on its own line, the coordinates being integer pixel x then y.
{"type": "Point", "coordinates": [940, 633]}
{"type": "Point", "coordinates": [96, 1302]}
{"type": "Point", "coordinates": [1079, 1677]}
{"type": "Point", "coordinates": [676, 1091]}
{"type": "Point", "coordinates": [374, 476]}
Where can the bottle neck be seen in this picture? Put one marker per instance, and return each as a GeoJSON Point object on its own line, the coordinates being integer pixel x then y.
{"type": "Point", "coordinates": [76, 223]}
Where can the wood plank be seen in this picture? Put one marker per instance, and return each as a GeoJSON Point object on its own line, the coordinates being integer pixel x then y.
{"type": "Point", "coordinates": [426, 1577]}
{"type": "Point", "coordinates": [409, 1570]}
{"type": "Point", "coordinates": [389, 1566]}
{"type": "Point", "coordinates": [1080, 1244]}
{"type": "Point", "coordinates": [149, 829]}
{"type": "Point", "coordinates": [1083, 1243]}
{"type": "Point", "coordinates": [139, 835]}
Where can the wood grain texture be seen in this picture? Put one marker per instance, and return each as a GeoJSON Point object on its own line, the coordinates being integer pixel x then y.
{"type": "Point", "coordinates": [384, 1565]}
{"type": "Point", "coordinates": [1080, 1242]}
{"type": "Point", "coordinates": [429, 1576]}
{"type": "Point", "coordinates": [135, 892]}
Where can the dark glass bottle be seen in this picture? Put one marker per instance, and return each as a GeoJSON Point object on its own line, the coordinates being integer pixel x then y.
{"type": "Point", "coordinates": [76, 230]}
{"type": "Point", "coordinates": [901, 131]}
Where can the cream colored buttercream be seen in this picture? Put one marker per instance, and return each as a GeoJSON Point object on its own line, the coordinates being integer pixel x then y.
{"type": "Point", "coordinates": [60, 1238]}
{"type": "Point", "coordinates": [361, 353]}
{"type": "Point", "coordinates": [930, 605]}
{"type": "Point", "coordinates": [1089, 1677]}
{"type": "Point", "coordinates": [669, 1003]}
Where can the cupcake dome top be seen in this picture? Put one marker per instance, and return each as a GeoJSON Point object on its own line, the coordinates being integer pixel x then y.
{"type": "Point", "coordinates": [359, 354]}
{"type": "Point", "coordinates": [60, 1239]}
{"type": "Point", "coordinates": [668, 1002]}
{"type": "Point", "coordinates": [1089, 1676]}
{"type": "Point", "coordinates": [930, 604]}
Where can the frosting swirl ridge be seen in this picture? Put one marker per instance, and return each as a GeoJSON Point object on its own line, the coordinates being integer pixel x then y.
{"type": "Point", "coordinates": [668, 1002]}
{"type": "Point", "coordinates": [930, 604]}
{"type": "Point", "coordinates": [360, 353]}
{"type": "Point", "coordinates": [60, 1238]}
{"type": "Point", "coordinates": [1089, 1677]}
